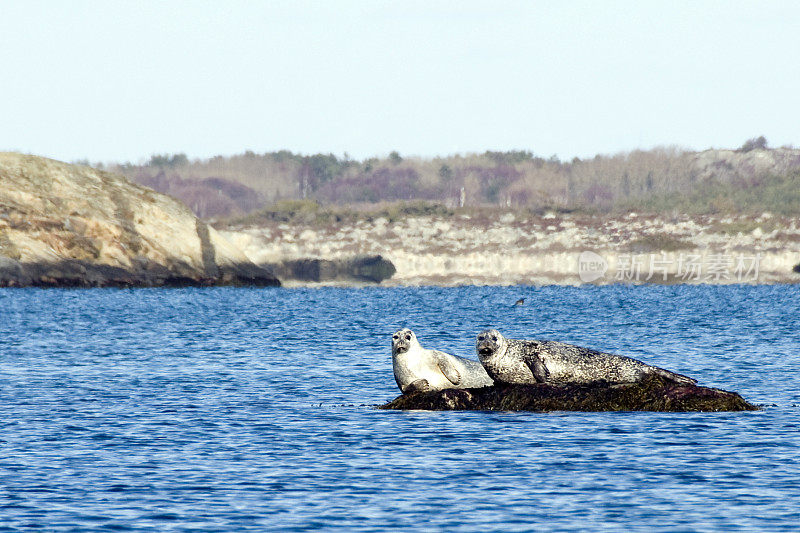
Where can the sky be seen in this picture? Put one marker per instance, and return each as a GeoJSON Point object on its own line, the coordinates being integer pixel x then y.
{"type": "Point", "coordinates": [119, 81]}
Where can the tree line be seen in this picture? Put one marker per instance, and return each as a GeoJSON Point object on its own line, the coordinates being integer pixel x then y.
{"type": "Point", "coordinates": [659, 179]}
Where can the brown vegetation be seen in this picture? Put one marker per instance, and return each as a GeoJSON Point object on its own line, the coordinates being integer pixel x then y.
{"type": "Point", "coordinates": [753, 178]}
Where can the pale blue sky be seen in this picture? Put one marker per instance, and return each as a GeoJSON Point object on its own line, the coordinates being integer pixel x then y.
{"type": "Point", "coordinates": [111, 80]}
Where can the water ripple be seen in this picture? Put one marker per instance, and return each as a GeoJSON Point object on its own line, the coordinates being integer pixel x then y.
{"type": "Point", "coordinates": [237, 409]}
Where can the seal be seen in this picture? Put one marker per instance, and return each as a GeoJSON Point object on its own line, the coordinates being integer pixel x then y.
{"type": "Point", "coordinates": [534, 361]}
{"type": "Point", "coordinates": [419, 369]}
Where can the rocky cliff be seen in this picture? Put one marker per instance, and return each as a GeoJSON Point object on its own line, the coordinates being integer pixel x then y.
{"type": "Point", "coordinates": [68, 225]}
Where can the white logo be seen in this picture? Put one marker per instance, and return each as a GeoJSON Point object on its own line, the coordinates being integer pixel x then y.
{"type": "Point", "coordinates": [591, 266]}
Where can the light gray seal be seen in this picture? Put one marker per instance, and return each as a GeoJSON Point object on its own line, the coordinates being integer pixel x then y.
{"type": "Point", "coordinates": [419, 369]}
{"type": "Point", "coordinates": [534, 361]}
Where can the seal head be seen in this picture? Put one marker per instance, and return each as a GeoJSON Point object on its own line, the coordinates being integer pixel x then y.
{"type": "Point", "coordinates": [403, 340]}
{"type": "Point", "coordinates": [490, 343]}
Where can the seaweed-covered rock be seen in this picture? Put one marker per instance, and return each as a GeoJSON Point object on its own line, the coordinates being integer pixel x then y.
{"type": "Point", "coordinates": [651, 394]}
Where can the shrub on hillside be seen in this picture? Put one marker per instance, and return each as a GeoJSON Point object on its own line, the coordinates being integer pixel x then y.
{"type": "Point", "coordinates": [756, 143]}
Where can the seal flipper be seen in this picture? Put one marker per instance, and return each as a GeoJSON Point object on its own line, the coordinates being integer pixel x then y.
{"type": "Point", "coordinates": [420, 385]}
{"type": "Point", "coordinates": [673, 376]}
{"type": "Point", "coordinates": [540, 372]}
{"type": "Point", "coordinates": [449, 370]}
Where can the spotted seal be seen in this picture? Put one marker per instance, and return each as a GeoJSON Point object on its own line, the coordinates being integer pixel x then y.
{"type": "Point", "coordinates": [416, 368]}
{"type": "Point", "coordinates": [533, 361]}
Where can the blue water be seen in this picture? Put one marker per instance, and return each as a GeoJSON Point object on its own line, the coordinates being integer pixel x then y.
{"type": "Point", "coordinates": [238, 409]}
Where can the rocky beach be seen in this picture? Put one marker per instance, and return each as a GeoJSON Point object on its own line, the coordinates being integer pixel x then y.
{"type": "Point", "coordinates": [518, 247]}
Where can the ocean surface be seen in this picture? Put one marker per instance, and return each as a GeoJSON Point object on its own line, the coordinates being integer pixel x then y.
{"type": "Point", "coordinates": [228, 409]}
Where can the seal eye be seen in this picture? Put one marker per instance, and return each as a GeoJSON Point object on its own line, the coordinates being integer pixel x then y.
{"type": "Point", "coordinates": [408, 337]}
{"type": "Point", "coordinates": [395, 337]}
{"type": "Point", "coordinates": [494, 338]}
{"type": "Point", "coordinates": [480, 337]}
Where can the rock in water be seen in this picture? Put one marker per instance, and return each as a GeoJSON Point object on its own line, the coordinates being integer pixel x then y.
{"type": "Point", "coordinates": [370, 269]}
{"type": "Point", "coordinates": [654, 393]}
{"type": "Point", "coordinates": [70, 225]}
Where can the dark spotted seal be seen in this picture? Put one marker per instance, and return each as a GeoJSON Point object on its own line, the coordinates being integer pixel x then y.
{"type": "Point", "coordinates": [416, 368]}
{"type": "Point", "coordinates": [532, 361]}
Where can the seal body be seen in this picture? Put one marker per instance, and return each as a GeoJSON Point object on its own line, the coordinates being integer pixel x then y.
{"type": "Point", "coordinates": [533, 361]}
{"type": "Point", "coordinates": [417, 368]}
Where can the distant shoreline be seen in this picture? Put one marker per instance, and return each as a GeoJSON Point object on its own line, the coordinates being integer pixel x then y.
{"type": "Point", "coordinates": [68, 226]}
{"type": "Point", "coordinates": [549, 249]}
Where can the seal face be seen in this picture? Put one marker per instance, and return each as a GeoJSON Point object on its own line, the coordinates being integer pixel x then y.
{"type": "Point", "coordinates": [402, 340]}
{"type": "Point", "coordinates": [532, 361]}
{"type": "Point", "coordinates": [417, 368]}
